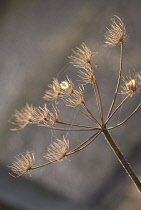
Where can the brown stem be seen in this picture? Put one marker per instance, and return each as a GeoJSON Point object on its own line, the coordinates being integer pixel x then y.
{"type": "Point", "coordinates": [122, 159]}
{"type": "Point", "coordinates": [45, 164]}
{"type": "Point", "coordinates": [98, 100]}
{"type": "Point", "coordinates": [86, 108]}
{"type": "Point", "coordinates": [126, 118]}
{"type": "Point", "coordinates": [84, 145]}
{"type": "Point", "coordinates": [75, 125]}
{"type": "Point", "coordinates": [68, 129]}
{"type": "Point", "coordinates": [119, 78]}
{"type": "Point", "coordinates": [117, 108]}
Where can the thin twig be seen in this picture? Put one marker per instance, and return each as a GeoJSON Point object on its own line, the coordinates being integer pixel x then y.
{"type": "Point", "coordinates": [126, 118]}
{"type": "Point", "coordinates": [68, 129]}
{"type": "Point", "coordinates": [119, 78]}
{"type": "Point", "coordinates": [90, 118]}
{"type": "Point", "coordinates": [80, 147]}
{"type": "Point", "coordinates": [71, 124]}
{"type": "Point", "coordinates": [86, 108]}
{"type": "Point", "coordinates": [45, 164]}
{"type": "Point", "coordinates": [118, 108]}
{"type": "Point", "coordinates": [98, 100]}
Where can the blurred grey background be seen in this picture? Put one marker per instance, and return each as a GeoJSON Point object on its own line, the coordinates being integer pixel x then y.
{"type": "Point", "coordinates": [36, 38]}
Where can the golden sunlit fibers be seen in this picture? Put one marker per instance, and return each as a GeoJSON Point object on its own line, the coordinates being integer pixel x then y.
{"type": "Point", "coordinates": [116, 34]}
{"type": "Point", "coordinates": [57, 150]}
{"type": "Point", "coordinates": [23, 163]}
{"type": "Point", "coordinates": [23, 117]}
{"type": "Point", "coordinates": [132, 84]}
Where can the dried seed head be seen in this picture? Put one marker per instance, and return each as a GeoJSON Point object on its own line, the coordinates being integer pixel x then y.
{"type": "Point", "coordinates": [87, 76]}
{"type": "Point", "coordinates": [132, 84]}
{"type": "Point", "coordinates": [81, 57]}
{"type": "Point", "coordinates": [76, 98]}
{"type": "Point", "coordinates": [44, 116]}
{"type": "Point", "coordinates": [23, 117]}
{"type": "Point", "coordinates": [54, 92]}
{"type": "Point", "coordinates": [23, 163]}
{"type": "Point", "coordinates": [57, 150]}
{"type": "Point", "coordinates": [116, 34]}
{"type": "Point", "coordinates": [40, 114]}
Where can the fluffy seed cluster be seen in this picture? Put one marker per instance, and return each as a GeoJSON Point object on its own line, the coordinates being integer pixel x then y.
{"type": "Point", "coordinates": [81, 58]}
{"type": "Point", "coordinates": [76, 98]}
{"type": "Point", "coordinates": [45, 116]}
{"type": "Point", "coordinates": [116, 34]}
{"type": "Point", "coordinates": [58, 90]}
{"type": "Point", "coordinates": [132, 84]}
{"type": "Point", "coordinates": [23, 163]}
{"type": "Point", "coordinates": [54, 91]}
{"type": "Point", "coordinates": [23, 117]}
{"type": "Point", "coordinates": [57, 150]}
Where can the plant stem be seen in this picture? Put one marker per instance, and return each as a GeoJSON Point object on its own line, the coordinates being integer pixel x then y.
{"type": "Point", "coordinates": [118, 83]}
{"type": "Point", "coordinates": [117, 108]}
{"type": "Point", "coordinates": [98, 100]}
{"type": "Point", "coordinates": [126, 118]}
{"type": "Point", "coordinates": [86, 108]}
{"type": "Point", "coordinates": [83, 144]}
{"type": "Point", "coordinates": [71, 124]}
{"type": "Point", "coordinates": [122, 159]}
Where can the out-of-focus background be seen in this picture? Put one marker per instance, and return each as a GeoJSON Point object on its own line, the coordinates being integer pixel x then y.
{"type": "Point", "coordinates": [36, 38]}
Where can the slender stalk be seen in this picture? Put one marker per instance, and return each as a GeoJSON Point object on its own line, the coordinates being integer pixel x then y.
{"type": "Point", "coordinates": [75, 125]}
{"type": "Point", "coordinates": [119, 78]}
{"type": "Point", "coordinates": [118, 108]}
{"type": "Point", "coordinates": [90, 118]}
{"type": "Point", "coordinates": [45, 164]}
{"type": "Point", "coordinates": [126, 118]}
{"type": "Point", "coordinates": [86, 108]}
{"type": "Point", "coordinates": [98, 100]}
{"type": "Point", "coordinates": [80, 147]}
{"type": "Point", "coordinates": [68, 129]}
{"type": "Point", "coordinates": [122, 159]}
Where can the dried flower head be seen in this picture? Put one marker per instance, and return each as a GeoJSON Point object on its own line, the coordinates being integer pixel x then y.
{"type": "Point", "coordinates": [57, 150]}
{"type": "Point", "coordinates": [87, 76]}
{"type": "Point", "coordinates": [116, 34]}
{"type": "Point", "coordinates": [76, 98]}
{"type": "Point", "coordinates": [23, 117]}
{"type": "Point", "coordinates": [23, 163]}
{"type": "Point", "coordinates": [82, 57]}
{"type": "Point", "coordinates": [40, 114]}
{"type": "Point", "coordinates": [54, 92]}
{"type": "Point", "coordinates": [45, 116]}
{"type": "Point", "coordinates": [132, 84]}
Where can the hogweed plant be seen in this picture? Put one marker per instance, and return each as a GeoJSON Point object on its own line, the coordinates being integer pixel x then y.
{"type": "Point", "coordinates": [65, 91]}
